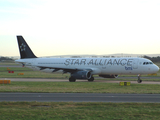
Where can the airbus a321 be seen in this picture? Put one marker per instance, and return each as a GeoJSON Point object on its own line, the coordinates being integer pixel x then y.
{"type": "Point", "coordinates": [85, 68]}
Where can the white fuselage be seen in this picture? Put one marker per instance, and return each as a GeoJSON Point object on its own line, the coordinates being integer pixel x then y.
{"type": "Point", "coordinates": [112, 66]}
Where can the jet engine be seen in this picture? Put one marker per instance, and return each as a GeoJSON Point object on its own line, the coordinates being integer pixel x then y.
{"type": "Point", "coordinates": [81, 75]}
{"type": "Point", "coordinates": [109, 76]}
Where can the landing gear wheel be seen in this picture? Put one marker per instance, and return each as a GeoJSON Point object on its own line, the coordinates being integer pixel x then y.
{"type": "Point", "coordinates": [91, 79]}
{"type": "Point", "coordinates": [72, 79]}
{"type": "Point", "coordinates": [139, 79]}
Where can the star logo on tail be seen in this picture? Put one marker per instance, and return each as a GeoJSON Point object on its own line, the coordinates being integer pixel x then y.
{"type": "Point", "coordinates": [23, 47]}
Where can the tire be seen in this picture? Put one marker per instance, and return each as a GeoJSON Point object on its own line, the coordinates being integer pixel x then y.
{"type": "Point", "coordinates": [139, 81]}
{"type": "Point", "coordinates": [72, 79]}
{"type": "Point", "coordinates": [91, 79]}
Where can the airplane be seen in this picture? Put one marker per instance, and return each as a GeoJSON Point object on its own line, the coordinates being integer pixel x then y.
{"type": "Point", "coordinates": [85, 68]}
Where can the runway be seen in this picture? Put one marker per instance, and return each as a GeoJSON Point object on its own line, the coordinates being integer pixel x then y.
{"type": "Point", "coordinates": [80, 97]}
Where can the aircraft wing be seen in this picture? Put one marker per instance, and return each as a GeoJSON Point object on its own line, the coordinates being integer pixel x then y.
{"type": "Point", "coordinates": [65, 70]}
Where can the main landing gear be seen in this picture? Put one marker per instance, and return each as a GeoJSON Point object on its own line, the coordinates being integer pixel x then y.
{"type": "Point", "coordinates": [72, 79]}
{"type": "Point", "coordinates": [91, 79]}
{"type": "Point", "coordinates": [139, 79]}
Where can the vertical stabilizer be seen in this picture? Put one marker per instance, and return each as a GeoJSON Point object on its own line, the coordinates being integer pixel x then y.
{"type": "Point", "coordinates": [24, 49]}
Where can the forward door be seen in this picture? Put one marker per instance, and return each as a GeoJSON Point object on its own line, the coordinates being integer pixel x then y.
{"type": "Point", "coordinates": [135, 64]}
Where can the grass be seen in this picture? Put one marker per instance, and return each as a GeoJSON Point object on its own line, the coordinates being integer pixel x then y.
{"type": "Point", "coordinates": [74, 111]}
{"type": "Point", "coordinates": [79, 87]}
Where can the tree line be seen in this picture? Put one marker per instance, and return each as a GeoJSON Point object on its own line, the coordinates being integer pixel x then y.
{"type": "Point", "coordinates": [5, 59]}
{"type": "Point", "coordinates": [153, 59]}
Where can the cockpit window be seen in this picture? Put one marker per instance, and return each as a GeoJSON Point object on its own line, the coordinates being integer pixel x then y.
{"type": "Point", "coordinates": [147, 63]}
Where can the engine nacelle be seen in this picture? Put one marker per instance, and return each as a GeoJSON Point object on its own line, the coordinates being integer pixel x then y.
{"type": "Point", "coordinates": [109, 76]}
{"type": "Point", "coordinates": [81, 75]}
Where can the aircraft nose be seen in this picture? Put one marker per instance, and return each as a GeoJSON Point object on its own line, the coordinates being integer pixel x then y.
{"type": "Point", "coordinates": [156, 68]}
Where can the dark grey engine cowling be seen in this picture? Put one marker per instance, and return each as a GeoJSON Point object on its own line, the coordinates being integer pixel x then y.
{"type": "Point", "coordinates": [109, 76]}
{"type": "Point", "coordinates": [81, 75]}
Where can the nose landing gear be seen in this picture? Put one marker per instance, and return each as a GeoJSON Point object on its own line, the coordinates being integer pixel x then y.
{"type": "Point", "coordinates": [139, 79]}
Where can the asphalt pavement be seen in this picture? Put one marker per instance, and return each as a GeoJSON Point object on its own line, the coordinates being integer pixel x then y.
{"type": "Point", "coordinates": [80, 97]}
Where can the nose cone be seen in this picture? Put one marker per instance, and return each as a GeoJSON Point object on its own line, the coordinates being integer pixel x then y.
{"type": "Point", "coordinates": [156, 68]}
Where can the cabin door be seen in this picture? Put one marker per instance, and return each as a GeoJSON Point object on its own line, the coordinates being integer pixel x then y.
{"type": "Point", "coordinates": [135, 64]}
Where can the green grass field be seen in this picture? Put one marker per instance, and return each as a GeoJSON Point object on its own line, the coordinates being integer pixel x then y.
{"type": "Point", "coordinates": [76, 111]}
{"type": "Point", "coordinates": [79, 87]}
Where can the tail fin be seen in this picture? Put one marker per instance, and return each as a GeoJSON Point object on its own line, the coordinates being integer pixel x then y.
{"type": "Point", "coordinates": [24, 49]}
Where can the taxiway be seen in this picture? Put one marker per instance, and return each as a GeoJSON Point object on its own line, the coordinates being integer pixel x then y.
{"type": "Point", "coordinates": [80, 97]}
